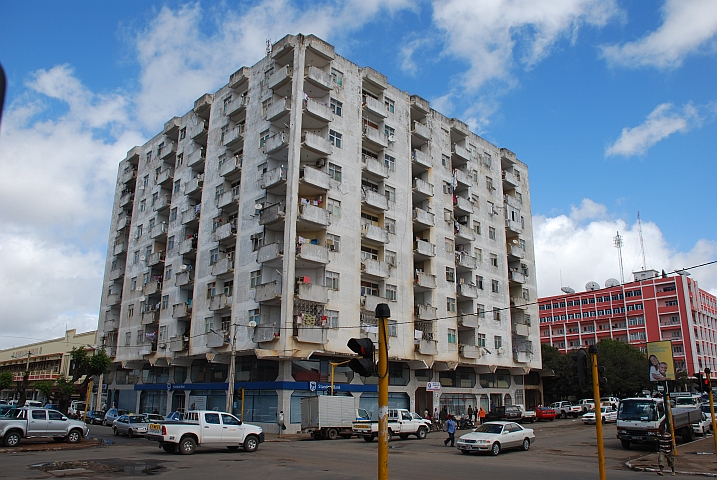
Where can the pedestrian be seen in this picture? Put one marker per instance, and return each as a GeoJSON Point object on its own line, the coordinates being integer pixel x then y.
{"type": "Point", "coordinates": [665, 452]}
{"type": "Point", "coordinates": [481, 415]}
{"type": "Point", "coordinates": [470, 413]}
{"type": "Point", "coordinates": [451, 430]}
{"type": "Point", "coordinates": [492, 406]}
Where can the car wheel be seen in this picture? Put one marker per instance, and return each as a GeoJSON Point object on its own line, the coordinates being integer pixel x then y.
{"type": "Point", "coordinates": [563, 415]}
{"type": "Point", "coordinates": [74, 436]}
{"type": "Point", "coordinates": [251, 443]}
{"type": "Point", "coordinates": [130, 433]}
{"type": "Point", "coordinates": [421, 434]}
{"type": "Point", "coordinates": [116, 432]}
{"type": "Point", "coordinates": [332, 434]}
{"type": "Point", "coordinates": [495, 449]}
{"type": "Point", "coordinates": [465, 452]}
{"type": "Point", "coordinates": [625, 444]}
{"type": "Point", "coordinates": [603, 420]}
{"type": "Point", "coordinates": [368, 438]}
{"type": "Point", "coordinates": [187, 446]}
{"type": "Point", "coordinates": [526, 444]}
{"type": "Point", "coordinates": [12, 439]}
{"type": "Point", "coordinates": [390, 434]}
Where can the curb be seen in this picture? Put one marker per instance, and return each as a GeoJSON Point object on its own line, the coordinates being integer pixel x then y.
{"type": "Point", "coordinates": [51, 447]}
{"type": "Point", "coordinates": [629, 465]}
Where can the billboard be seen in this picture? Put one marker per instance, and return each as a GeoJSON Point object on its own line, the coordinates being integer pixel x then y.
{"type": "Point", "coordinates": [660, 363]}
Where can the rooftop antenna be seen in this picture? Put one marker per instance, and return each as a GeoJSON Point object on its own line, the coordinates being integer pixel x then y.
{"type": "Point", "coordinates": [617, 242]}
{"type": "Point", "coordinates": [642, 245]}
{"type": "Point", "coordinates": [268, 47]}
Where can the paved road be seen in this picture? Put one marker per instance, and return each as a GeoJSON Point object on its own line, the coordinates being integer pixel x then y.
{"type": "Point", "coordinates": [563, 450]}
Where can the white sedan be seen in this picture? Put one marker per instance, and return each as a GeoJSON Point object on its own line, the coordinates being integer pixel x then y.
{"type": "Point", "coordinates": [704, 426]}
{"type": "Point", "coordinates": [493, 437]}
{"type": "Point", "coordinates": [606, 413]}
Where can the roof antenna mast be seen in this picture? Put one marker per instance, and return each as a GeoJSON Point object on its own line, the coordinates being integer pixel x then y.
{"type": "Point", "coordinates": [617, 242]}
{"type": "Point", "coordinates": [642, 245]}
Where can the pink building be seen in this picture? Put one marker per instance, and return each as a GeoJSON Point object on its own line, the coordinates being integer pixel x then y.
{"type": "Point", "coordinates": [651, 308]}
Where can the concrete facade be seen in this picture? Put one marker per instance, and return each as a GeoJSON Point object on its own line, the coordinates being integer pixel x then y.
{"type": "Point", "coordinates": [276, 214]}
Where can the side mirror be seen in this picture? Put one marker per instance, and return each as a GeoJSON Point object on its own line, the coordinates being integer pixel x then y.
{"type": "Point", "coordinates": [64, 418]}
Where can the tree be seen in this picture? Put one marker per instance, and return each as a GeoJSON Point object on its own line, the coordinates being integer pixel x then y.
{"type": "Point", "coordinates": [5, 379]}
{"type": "Point", "coordinates": [561, 386]}
{"type": "Point", "coordinates": [625, 368]}
{"type": "Point", "coordinates": [59, 391]}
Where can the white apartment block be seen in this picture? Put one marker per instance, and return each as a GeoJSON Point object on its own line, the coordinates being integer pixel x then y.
{"type": "Point", "coordinates": [275, 215]}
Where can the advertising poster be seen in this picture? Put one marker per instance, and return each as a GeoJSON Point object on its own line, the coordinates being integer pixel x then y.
{"type": "Point", "coordinates": [660, 363]}
{"type": "Point", "coordinates": [197, 402]}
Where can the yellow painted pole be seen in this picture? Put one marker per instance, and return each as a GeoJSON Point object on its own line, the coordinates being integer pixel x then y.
{"type": "Point", "coordinates": [333, 366]}
{"type": "Point", "coordinates": [382, 397]}
{"type": "Point", "coordinates": [242, 404]}
{"type": "Point", "coordinates": [671, 418]}
{"type": "Point", "coordinates": [712, 409]}
{"type": "Point", "coordinates": [87, 400]}
{"type": "Point", "coordinates": [598, 413]}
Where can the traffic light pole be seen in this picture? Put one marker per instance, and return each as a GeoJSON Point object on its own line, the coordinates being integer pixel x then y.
{"type": "Point", "coordinates": [669, 416]}
{"type": "Point", "coordinates": [598, 411]}
{"type": "Point", "coordinates": [712, 409]}
{"type": "Point", "coordinates": [382, 390]}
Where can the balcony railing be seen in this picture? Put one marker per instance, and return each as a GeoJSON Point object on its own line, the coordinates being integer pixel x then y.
{"type": "Point", "coordinates": [425, 312]}
{"type": "Point", "coordinates": [318, 77]}
{"type": "Point", "coordinates": [316, 144]}
{"type": "Point", "coordinates": [374, 106]}
{"type": "Point", "coordinates": [422, 187]}
{"type": "Point", "coordinates": [463, 204]}
{"type": "Point", "coordinates": [276, 142]}
{"type": "Point", "coordinates": [421, 131]}
{"type": "Point", "coordinates": [272, 252]}
{"type": "Point", "coordinates": [184, 278]}
{"type": "Point", "coordinates": [182, 310]}
{"type": "Point", "coordinates": [422, 247]}
{"type": "Point", "coordinates": [267, 292]}
{"type": "Point", "coordinates": [374, 233]}
{"type": "Point", "coordinates": [278, 109]}
{"type": "Point", "coordinates": [315, 254]}
{"type": "Point", "coordinates": [280, 77]}
{"type": "Point", "coordinates": [375, 166]}
{"type": "Point", "coordinates": [314, 215]}
{"type": "Point", "coordinates": [220, 302]}
{"type": "Point", "coordinates": [374, 199]}
{"type": "Point", "coordinates": [374, 268]}
{"type": "Point", "coordinates": [273, 177]}
{"type": "Point", "coordinates": [315, 177]}
{"type": "Point", "coordinates": [374, 136]}
{"type": "Point", "coordinates": [465, 260]}
{"type": "Point", "coordinates": [421, 158]}
{"type": "Point", "coordinates": [311, 292]}
{"type": "Point", "coordinates": [223, 266]}
{"type": "Point", "coordinates": [467, 290]}
{"type": "Point", "coordinates": [317, 110]}
{"type": "Point", "coordinates": [463, 231]}
{"type": "Point", "coordinates": [423, 217]}
{"type": "Point", "coordinates": [272, 214]}
{"type": "Point", "coordinates": [423, 279]}
{"type": "Point", "coordinates": [460, 152]}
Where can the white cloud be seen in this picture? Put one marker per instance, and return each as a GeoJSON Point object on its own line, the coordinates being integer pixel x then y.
{"type": "Point", "coordinates": [661, 123]}
{"type": "Point", "coordinates": [688, 27]}
{"type": "Point", "coordinates": [580, 251]}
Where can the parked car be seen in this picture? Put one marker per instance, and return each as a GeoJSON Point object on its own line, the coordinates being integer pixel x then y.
{"type": "Point", "coordinates": [76, 409]}
{"type": "Point", "coordinates": [33, 422]}
{"type": "Point", "coordinates": [545, 413]}
{"type": "Point", "coordinates": [565, 408]}
{"type": "Point", "coordinates": [494, 437]}
{"type": "Point", "coordinates": [704, 426]}
{"type": "Point", "coordinates": [607, 414]}
{"type": "Point", "coordinates": [613, 402]}
{"type": "Point", "coordinates": [94, 417]}
{"type": "Point", "coordinates": [587, 404]}
{"type": "Point", "coordinates": [130, 425]}
{"type": "Point", "coordinates": [112, 415]}
{"type": "Point", "coordinates": [154, 417]}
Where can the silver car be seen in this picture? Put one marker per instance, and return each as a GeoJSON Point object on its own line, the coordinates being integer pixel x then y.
{"type": "Point", "coordinates": [131, 425]}
{"type": "Point", "coordinates": [494, 437]}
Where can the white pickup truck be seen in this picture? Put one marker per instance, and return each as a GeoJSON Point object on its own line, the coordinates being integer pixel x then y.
{"type": "Point", "coordinates": [565, 408]}
{"type": "Point", "coordinates": [401, 422]}
{"type": "Point", "coordinates": [205, 428]}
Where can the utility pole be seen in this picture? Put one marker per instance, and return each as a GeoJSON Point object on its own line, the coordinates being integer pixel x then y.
{"type": "Point", "coordinates": [712, 408]}
{"type": "Point", "coordinates": [598, 410]}
{"type": "Point", "coordinates": [230, 394]}
{"type": "Point", "coordinates": [382, 313]}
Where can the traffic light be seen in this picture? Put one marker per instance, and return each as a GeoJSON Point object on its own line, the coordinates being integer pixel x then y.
{"type": "Point", "coordinates": [365, 365]}
{"type": "Point", "coordinates": [700, 382]}
{"type": "Point", "coordinates": [705, 383]}
{"type": "Point", "coordinates": [601, 375]}
{"type": "Point", "coordinates": [581, 369]}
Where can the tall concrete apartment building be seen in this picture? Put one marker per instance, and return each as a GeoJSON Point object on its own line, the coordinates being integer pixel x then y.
{"type": "Point", "coordinates": [271, 219]}
{"type": "Point", "coordinates": [651, 308]}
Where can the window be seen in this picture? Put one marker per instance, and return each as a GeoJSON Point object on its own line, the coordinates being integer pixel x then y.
{"type": "Point", "coordinates": [450, 304]}
{"type": "Point", "coordinates": [168, 272]}
{"type": "Point", "coordinates": [130, 310]}
{"type": "Point", "coordinates": [452, 335]}
{"type": "Point", "coordinates": [208, 325]}
{"type": "Point", "coordinates": [390, 162]}
{"type": "Point", "coordinates": [478, 253]}
{"type": "Point", "coordinates": [332, 318]}
{"type": "Point", "coordinates": [170, 243]}
{"type": "Point", "coordinates": [177, 186]}
{"type": "Point", "coordinates": [213, 256]}
{"type": "Point", "coordinates": [133, 284]}
{"type": "Point", "coordinates": [145, 182]}
{"type": "Point", "coordinates": [263, 137]}
{"type": "Point", "coordinates": [229, 288]}
{"type": "Point", "coordinates": [254, 316]}
{"type": "Point", "coordinates": [139, 231]}
{"type": "Point", "coordinates": [135, 258]}
{"type": "Point", "coordinates": [332, 280]}
{"type": "Point", "coordinates": [481, 311]}
{"type": "Point", "coordinates": [165, 302]}
{"type": "Point", "coordinates": [495, 286]}
{"type": "Point", "coordinates": [447, 189]}
{"type": "Point", "coordinates": [480, 340]}
{"type": "Point", "coordinates": [337, 77]}
{"type": "Point", "coordinates": [390, 104]}
{"type": "Point", "coordinates": [498, 341]}
{"type": "Point", "coordinates": [334, 207]}
{"type": "Point", "coordinates": [491, 209]}
{"type": "Point", "coordinates": [128, 339]}
{"type": "Point", "coordinates": [336, 107]}
{"type": "Point", "coordinates": [479, 282]}
{"type": "Point", "coordinates": [493, 260]}
{"type": "Point", "coordinates": [446, 161]}
{"type": "Point", "coordinates": [335, 138]}
{"type": "Point", "coordinates": [257, 241]}
{"type": "Point", "coordinates": [391, 293]}
{"type": "Point", "coordinates": [489, 183]}
{"type": "Point", "coordinates": [448, 245]}
{"type": "Point", "coordinates": [265, 106]}
{"type": "Point", "coordinates": [335, 172]}
{"type": "Point", "coordinates": [476, 228]}
{"type": "Point", "coordinates": [211, 289]}
{"type": "Point", "coordinates": [183, 133]}
{"type": "Point", "coordinates": [255, 279]}
{"type": "Point", "coordinates": [491, 233]}
{"type": "Point", "coordinates": [390, 132]}
{"type": "Point", "coordinates": [143, 205]}
{"type": "Point", "coordinates": [333, 242]}
{"type": "Point", "coordinates": [450, 274]}
{"type": "Point", "coordinates": [496, 314]}
{"type": "Point", "coordinates": [173, 214]}
{"type": "Point", "coordinates": [390, 258]}
{"type": "Point", "coordinates": [369, 289]}
{"type": "Point", "coordinates": [390, 225]}
{"type": "Point", "coordinates": [390, 193]}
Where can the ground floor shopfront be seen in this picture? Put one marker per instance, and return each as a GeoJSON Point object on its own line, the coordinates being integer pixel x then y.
{"type": "Point", "coordinates": [263, 388]}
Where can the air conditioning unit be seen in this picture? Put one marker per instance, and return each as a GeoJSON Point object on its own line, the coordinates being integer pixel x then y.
{"type": "Point", "coordinates": [501, 351]}
{"type": "Point", "coordinates": [391, 138]}
{"type": "Point", "coordinates": [321, 162]}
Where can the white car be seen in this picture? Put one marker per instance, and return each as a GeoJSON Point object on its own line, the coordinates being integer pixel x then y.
{"type": "Point", "coordinates": [493, 437]}
{"type": "Point", "coordinates": [607, 414]}
{"type": "Point", "coordinates": [704, 426]}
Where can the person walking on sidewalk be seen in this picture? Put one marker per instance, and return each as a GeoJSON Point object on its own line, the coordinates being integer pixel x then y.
{"type": "Point", "coordinates": [451, 430]}
{"type": "Point", "coordinates": [665, 450]}
{"type": "Point", "coordinates": [481, 415]}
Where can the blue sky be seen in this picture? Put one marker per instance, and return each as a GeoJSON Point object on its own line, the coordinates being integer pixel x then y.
{"type": "Point", "coordinates": [611, 103]}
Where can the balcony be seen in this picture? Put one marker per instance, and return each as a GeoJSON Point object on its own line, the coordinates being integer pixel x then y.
{"type": "Point", "coordinates": [421, 158]}
{"type": "Point", "coordinates": [126, 198]}
{"type": "Point", "coordinates": [376, 138]}
{"type": "Point", "coordinates": [187, 246]}
{"type": "Point", "coordinates": [271, 255]}
{"type": "Point", "coordinates": [227, 201]}
{"type": "Point", "coordinates": [460, 152]}
{"type": "Point", "coordinates": [146, 348]}
{"type": "Point", "coordinates": [311, 333]}
{"type": "Point", "coordinates": [111, 323]}
{"type": "Point", "coordinates": [522, 329]}
{"type": "Point", "coordinates": [420, 104]}
{"type": "Point", "coordinates": [311, 292]}
{"type": "Point", "coordinates": [203, 104]}
{"type": "Point", "coordinates": [218, 339]}
{"type": "Point", "coordinates": [370, 330]}
{"type": "Point", "coordinates": [518, 302]}
{"type": "Point", "coordinates": [374, 268]}
{"type": "Point", "coordinates": [225, 232]}
{"type": "Point", "coordinates": [463, 204]}
{"type": "Point", "coordinates": [114, 299]}
{"type": "Point", "coordinates": [422, 188]}
{"type": "Point", "coordinates": [196, 158]}
{"type": "Point", "coordinates": [469, 351]}
{"type": "Point", "coordinates": [510, 179]}
{"type": "Point", "coordinates": [123, 222]}
{"type": "Point", "coordinates": [265, 332]}
{"type": "Point", "coordinates": [424, 248]}
{"type": "Point", "coordinates": [314, 177]}
{"type": "Point", "coordinates": [182, 310]}
{"type": "Point", "coordinates": [463, 178]}
{"type": "Point", "coordinates": [280, 77]}
{"type": "Point", "coordinates": [312, 255]}
{"type": "Point", "coordinates": [516, 276]}
{"type": "Point", "coordinates": [374, 233]}
{"type": "Point", "coordinates": [278, 109]}
{"type": "Point", "coordinates": [158, 231]}
{"type": "Point", "coordinates": [231, 166]}
{"type": "Point", "coordinates": [237, 106]}
{"type": "Point", "coordinates": [272, 214]}
{"type": "Point", "coordinates": [466, 261]}
{"type": "Point", "coordinates": [318, 110]}
{"type": "Point", "coordinates": [464, 232]}
{"type": "Point", "coordinates": [515, 251]}
{"type": "Point", "coordinates": [513, 226]}
{"type": "Point", "coordinates": [155, 258]}
{"type": "Point", "coordinates": [507, 155]}
{"type": "Point", "coordinates": [234, 137]}
{"type": "Point", "coordinates": [522, 352]}
{"type": "Point", "coordinates": [152, 287]}
{"type": "Point", "coordinates": [421, 131]}
{"type": "Point", "coordinates": [120, 248]}
{"type": "Point", "coordinates": [369, 302]}
{"type": "Point", "coordinates": [162, 202]}
{"type": "Point", "coordinates": [198, 132]}
{"type": "Point", "coordinates": [194, 185]}
{"type": "Point", "coordinates": [223, 266]}
{"type": "Point", "coordinates": [424, 312]}
{"type": "Point", "coordinates": [178, 343]}
{"type": "Point", "coordinates": [374, 107]}
{"type": "Point", "coordinates": [425, 346]}
{"type": "Point", "coordinates": [268, 292]}
{"type": "Point", "coordinates": [512, 201]}
{"type": "Point", "coordinates": [374, 199]}
{"type": "Point", "coordinates": [467, 290]}
{"type": "Point", "coordinates": [425, 280]}
{"type": "Point", "coordinates": [183, 278]}
{"type": "Point", "coordinates": [165, 177]}
{"type": "Point", "coordinates": [128, 175]}
{"type": "Point", "coordinates": [470, 320]}
{"type": "Point", "coordinates": [117, 273]}
{"type": "Point", "coordinates": [375, 167]}
{"type": "Point", "coordinates": [316, 144]}
{"type": "Point", "coordinates": [423, 217]}
{"type": "Point", "coordinates": [275, 143]}
{"type": "Point", "coordinates": [314, 215]}
{"type": "Point", "coordinates": [273, 178]}
{"type": "Point", "coordinates": [220, 302]}
{"type": "Point", "coordinates": [318, 78]}
{"type": "Point", "coordinates": [167, 152]}
{"type": "Point", "coordinates": [150, 317]}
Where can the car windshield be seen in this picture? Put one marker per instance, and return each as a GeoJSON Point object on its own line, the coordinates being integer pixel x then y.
{"type": "Point", "coordinates": [489, 428]}
{"type": "Point", "coordinates": [686, 401]}
{"type": "Point", "coordinates": [137, 419]}
{"type": "Point", "coordinates": [637, 410]}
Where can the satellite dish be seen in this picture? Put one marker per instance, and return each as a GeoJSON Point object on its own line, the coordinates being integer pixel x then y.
{"type": "Point", "coordinates": [515, 241]}
{"type": "Point", "coordinates": [183, 267]}
{"type": "Point", "coordinates": [143, 258]}
{"type": "Point", "coordinates": [142, 298]}
{"type": "Point", "coordinates": [252, 324]}
{"type": "Point", "coordinates": [592, 286]}
{"type": "Point", "coordinates": [258, 206]}
{"type": "Point", "coordinates": [611, 282]}
{"type": "Point", "coordinates": [567, 290]}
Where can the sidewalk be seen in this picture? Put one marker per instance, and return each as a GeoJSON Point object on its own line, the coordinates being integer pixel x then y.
{"type": "Point", "coordinates": [696, 458]}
